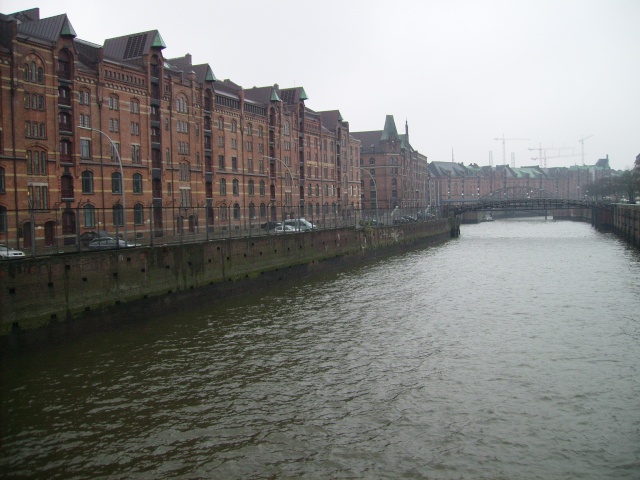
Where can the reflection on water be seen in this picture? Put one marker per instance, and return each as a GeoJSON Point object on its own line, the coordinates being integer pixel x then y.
{"type": "Point", "coordinates": [510, 352]}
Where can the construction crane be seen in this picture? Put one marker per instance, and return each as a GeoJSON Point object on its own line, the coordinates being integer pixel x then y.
{"type": "Point", "coordinates": [542, 153]}
{"type": "Point", "coordinates": [503, 139]}
{"type": "Point", "coordinates": [581, 140]}
{"type": "Point", "coordinates": [551, 156]}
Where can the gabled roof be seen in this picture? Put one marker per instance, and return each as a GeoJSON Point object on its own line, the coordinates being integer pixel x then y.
{"type": "Point", "coordinates": [131, 47]}
{"type": "Point", "coordinates": [49, 29]}
{"type": "Point", "coordinates": [368, 139]}
{"type": "Point", "coordinates": [330, 118]}
{"type": "Point", "coordinates": [442, 169]}
{"type": "Point", "coordinates": [203, 72]}
{"type": "Point", "coordinates": [294, 95]}
{"type": "Point", "coordinates": [259, 94]}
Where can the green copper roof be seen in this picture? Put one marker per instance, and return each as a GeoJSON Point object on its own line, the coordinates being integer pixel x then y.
{"type": "Point", "coordinates": [303, 94]}
{"type": "Point", "coordinates": [158, 42]}
{"type": "Point", "coordinates": [210, 77]}
{"type": "Point", "coordinates": [390, 130]}
{"type": "Point", "coordinates": [67, 29]}
{"type": "Point", "coordinates": [274, 96]}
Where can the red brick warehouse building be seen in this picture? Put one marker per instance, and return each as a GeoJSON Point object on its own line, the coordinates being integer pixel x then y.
{"type": "Point", "coordinates": [117, 136]}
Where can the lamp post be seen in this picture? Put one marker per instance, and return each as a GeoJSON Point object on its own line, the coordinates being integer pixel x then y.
{"type": "Point", "coordinates": [374, 186]}
{"type": "Point", "coordinates": [285, 166]}
{"type": "Point", "coordinates": [115, 148]}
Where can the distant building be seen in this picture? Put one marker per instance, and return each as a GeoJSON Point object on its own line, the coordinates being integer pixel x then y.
{"type": "Point", "coordinates": [394, 173]}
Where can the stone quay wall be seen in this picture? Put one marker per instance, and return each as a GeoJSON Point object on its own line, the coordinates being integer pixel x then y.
{"type": "Point", "coordinates": [626, 223]}
{"type": "Point", "coordinates": [129, 283]}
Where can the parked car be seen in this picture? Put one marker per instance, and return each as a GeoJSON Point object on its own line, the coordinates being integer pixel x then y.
{"type": "Point", "coordinates": [108, 243]}
{"type": "Point", "coordinates": [87, 237]}
{"type": "Point", "coordinates": [8, 253]}
{"type": "Point", "coordinates": [300, 224]}
{"type": "Point", "coordinates": [284, 229]}
{"type": "Point", "coordinates": [270, 225]}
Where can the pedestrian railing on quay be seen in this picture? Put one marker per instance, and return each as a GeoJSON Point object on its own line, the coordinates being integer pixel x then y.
{"type": "Point", "coordinates": [64, 231]}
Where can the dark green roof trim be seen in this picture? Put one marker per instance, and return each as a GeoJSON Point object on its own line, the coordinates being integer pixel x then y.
{"type": "Point", "coordinates": [303, 94]}
{"type": "Point", "coordinates": [67, 28]}
{"type": "Point", "coordinates": [158, 42]}
{"type": "Point", "coordinates": [210, 77]}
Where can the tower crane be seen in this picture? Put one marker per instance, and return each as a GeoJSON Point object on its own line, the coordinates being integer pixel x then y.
{"type": "Point", "coordinates": [503, 139]}
{"type": "Point", "coordinates": [581, 140]}
{"type": "Point", "coordinates": [542, 154]}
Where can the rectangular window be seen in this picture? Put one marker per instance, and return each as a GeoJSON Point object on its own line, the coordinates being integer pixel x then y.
{"type": "Point", "coordinates": [234, 164]}
{"type": "Point", "coordinates": [39, 197]}
{"type": "Point", "coordinates": [185, 197]}
{"type": "Point", "coordinates": [85, 148]}
{"type": "Point", "coordinates": [135, 154]}
{"type": "Point", "coordinates": [115, 151]}
{"type": "Point", "coordinates": [234, 144]}
{"type": "Point", "coordinates": [221, 162]}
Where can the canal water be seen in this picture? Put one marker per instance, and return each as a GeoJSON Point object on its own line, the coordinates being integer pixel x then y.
{"type": "Point", "coordinates": [511, 352]}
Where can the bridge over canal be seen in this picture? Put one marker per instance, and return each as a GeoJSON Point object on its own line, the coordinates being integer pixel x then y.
{"type": "Point", "coordinates": [530, 199]}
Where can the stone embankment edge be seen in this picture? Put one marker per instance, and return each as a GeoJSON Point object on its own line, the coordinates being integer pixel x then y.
{"type": "Point", "coordinates": [66, 294]}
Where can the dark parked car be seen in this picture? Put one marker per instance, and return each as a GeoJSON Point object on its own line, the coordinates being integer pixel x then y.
{"type": "Point", "coordinates": [87, 237]}
{"type": "Point", "coordinates": [270, 225]}
{"type": "Point", "coordinates": [108, 243]}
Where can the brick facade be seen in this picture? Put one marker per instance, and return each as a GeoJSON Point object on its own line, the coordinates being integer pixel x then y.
{"type": "Point", "coordinates": [188, 145]}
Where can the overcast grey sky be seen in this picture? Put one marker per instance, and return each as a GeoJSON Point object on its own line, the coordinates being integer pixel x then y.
{"type": "Point", "coordinates": [462, 73]}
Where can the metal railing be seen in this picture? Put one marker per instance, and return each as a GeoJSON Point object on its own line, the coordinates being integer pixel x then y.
{"type": "Point", "coordinates": [62, 230]}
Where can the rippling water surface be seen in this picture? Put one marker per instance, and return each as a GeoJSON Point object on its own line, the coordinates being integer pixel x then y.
{"type": "Point", "coordinates": [511, 352]}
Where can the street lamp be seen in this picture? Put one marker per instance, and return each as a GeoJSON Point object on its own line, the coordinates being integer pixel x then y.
{"type": "Point", "coordinates": [124, 205]}
{"type": "Point", "coordinates": [288, 169]}
{"type": "Point", "coordinates": [374, 186]}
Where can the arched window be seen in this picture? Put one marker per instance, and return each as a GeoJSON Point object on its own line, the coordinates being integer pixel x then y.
{"type": "Point", "coordinates": [137, 183]}
{"type": "Point", "coordinates": [116, 182]}
{"type": "Point", "coordinates": [223, 212]}
{"type": "Point", "coordinates": [236, 211]}
{"type": "Point", "coordinates": [87, 182]}
{"type": "Point", "coordinates": [3, 185]}
{"type": "Point", "coordinates": [286, 129]}
{"type": "Point", "coordinates": [89, 216]}
{"type": "Point", "coordinates": [310, 209]}
{"type": "Point", "coordinates": [252, 210]}
{"type": "Point", "coordinates": [234, 126]}
{"type": "Point", "coordinates": [261, 188]}
{"type": "Point", "coordinates": [118, 215]}
{"type": "Point", "coordinates": [317, 190]}
{"type": "Point", "coordinates": [263, 210]}
{"type": "Point", "coordinates": [236, 187]}
{"type": "Point", "coordinates": [138, 214]}
{"type": "Point", "coordinates": [223, 186]}
{"type": "Point", "coordinates": [310, 190]}
{"type": "Point", "coordinates": [251, 188]}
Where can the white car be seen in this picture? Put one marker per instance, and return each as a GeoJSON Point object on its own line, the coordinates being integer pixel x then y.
{"type": "Point", "coordinates": [8, 253]}
{"type": "Point", "coordinates": [284, 229]}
